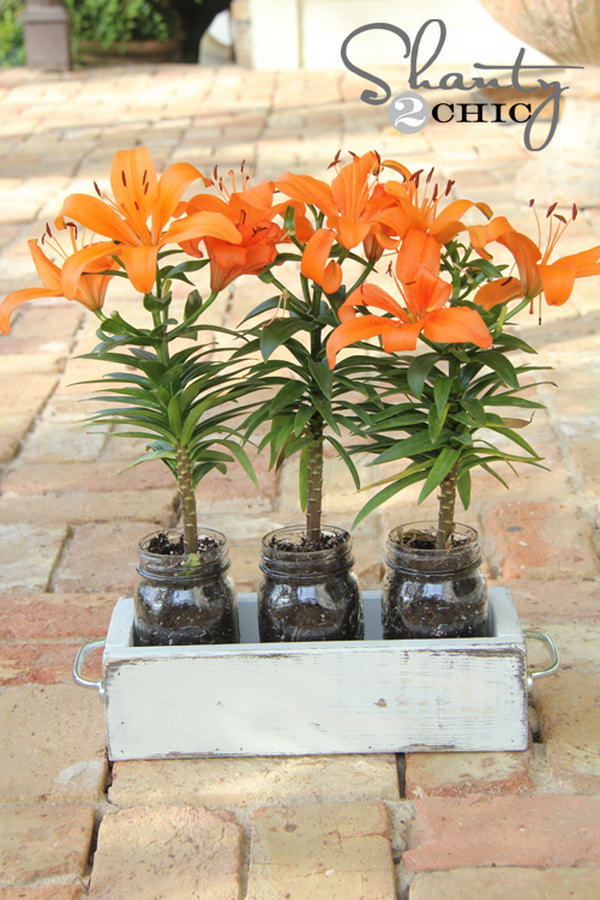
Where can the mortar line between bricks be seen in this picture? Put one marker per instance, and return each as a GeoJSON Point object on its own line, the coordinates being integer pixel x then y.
{"type": "Point", "coordinates": [401, 774]}
{"type": "Point", "coordinates": [69, 535]}
{"type": "Point", "coordinates": [403, 876]}
{"type": "Point", "coordinates": [246, 851]}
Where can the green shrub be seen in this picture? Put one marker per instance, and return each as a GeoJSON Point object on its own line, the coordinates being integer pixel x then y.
{"type": "Point", "coordinates": [11, 33]}
{"type": "Point", "coordinates": [109, 22]}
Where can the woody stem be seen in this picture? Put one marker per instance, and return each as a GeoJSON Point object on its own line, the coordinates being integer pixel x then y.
{"type": "Point", "coordinates": [314, 487]}
{"type": "Point", "coordinates": [446, 509]}
{"type": "Point", "coordinates": [188, 499]}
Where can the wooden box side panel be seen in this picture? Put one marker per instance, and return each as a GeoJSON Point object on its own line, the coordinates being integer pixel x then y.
{"type": "Point", "coordinates": [334, 700]}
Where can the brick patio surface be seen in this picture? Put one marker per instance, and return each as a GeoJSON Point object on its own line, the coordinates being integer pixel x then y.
{"type": "Point", "coordinates": [467, 825]}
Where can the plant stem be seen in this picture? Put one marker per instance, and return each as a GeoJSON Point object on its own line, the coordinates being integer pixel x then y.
{"type": "Point", "coordinates": [188, 499]}
{"type": "Point", "coordinates": [314, 484]}
{"type": "Point", "coordinates": [314, 467]}
{"type": "Point", "coordinates": [446, 509]}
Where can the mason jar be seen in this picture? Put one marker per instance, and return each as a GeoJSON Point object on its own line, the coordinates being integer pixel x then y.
{"type": "Point", "coordinates": [185, 598]}
{"type": "Point", "coordinates": [431, 592]}
{"type": "Point", "coordinates": [308, 595]}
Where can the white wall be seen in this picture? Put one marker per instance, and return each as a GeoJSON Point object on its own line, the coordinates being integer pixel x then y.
{"type": "Point", "coordinates": [288, 34]}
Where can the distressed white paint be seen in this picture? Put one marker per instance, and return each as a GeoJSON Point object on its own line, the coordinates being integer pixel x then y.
{"type": "Point", "coordinates": [331, 697]}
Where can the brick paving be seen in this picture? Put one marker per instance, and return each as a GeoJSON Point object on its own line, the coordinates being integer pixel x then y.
{"type": "Point", "coordinates": [472, 825]}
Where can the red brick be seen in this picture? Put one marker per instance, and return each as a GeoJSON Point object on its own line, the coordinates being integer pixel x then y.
{"type": "Point", "coordinates": [55, 321]}
{"type": "Point", "coordinates": [167, 851]}
{"type": "Point", "coordinates": [500, 883]}
{"type": "Point", "coordinates": [38, 616]}
{"type": "Point", "coordinates": [48, 892]}
{"type": "Point", "coordinates": [42, 663]}
{"type": "Point", "coordinates": [321, 851]}
{"type": "Point", "coordinates": [586, 455]}
{"type": "Point", "coordinates": [101, 557]}
{"type": "Point", "coordinates": [25, 393]}
{"type": "Point", "coordinates": [57, 478]}
{"type": "Point", "coordinates": [547, 830]}
{"type": "Point", "coordinates": [530, 483]}
{"type": "Point", "coordinates": [545, 539]}
{"type": "Point", "coordinates": [28, 554]}
{"type": "Point", "coordinates": [54, 745]}
{"type": "Point", "coordinates": [461, 774]}
{"type": "Point", "coordinates": [81, 507]}
{"type": "Point", "coordinates": [568, 705]}
{"type": "Point", "coordinates": [44, 841]}
{"type": "Point", "coordinates": [560, 600]}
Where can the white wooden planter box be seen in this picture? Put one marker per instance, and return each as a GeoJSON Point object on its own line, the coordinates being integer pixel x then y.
{"type": "Point", "coordinates": [318, 697]}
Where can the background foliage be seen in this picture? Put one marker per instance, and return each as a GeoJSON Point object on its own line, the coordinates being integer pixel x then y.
{"type": "Point", "coordinates": [12, 52]}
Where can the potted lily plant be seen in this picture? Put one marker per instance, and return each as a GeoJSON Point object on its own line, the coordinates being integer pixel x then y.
{"type": "Point", "coordinates": [173, 389]}
{"type": "Point", "coordinates": [308, 591]}
{"type": "Point", "coordinates": [439, 414]}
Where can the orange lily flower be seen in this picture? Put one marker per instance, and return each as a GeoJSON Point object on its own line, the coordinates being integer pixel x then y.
{"type": "Point", "coordinates": [90, 291]}
{"type": "Point", "coordinates": [416, 209]}
{"type": "Point", "coordinates": [352, 207]}
{"type": "Point", "coordinates": [415, 218]}
{"type": "Point", "coordinates": [424, 312]}
{"type": "Point", "coordinates": [537, 275]}
{"type": "Point", "coordinates": [251, 211]}
{"type": "Point", "coordinates": [138, 196]}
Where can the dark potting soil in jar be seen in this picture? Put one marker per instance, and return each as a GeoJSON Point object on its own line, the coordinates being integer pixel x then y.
{"type": "Point", "coordinates": [432, 592]}
{"type": "Point", "coordinates": [166, 544]}
{"type": "Point", "coordinates": [309, 592]}
{"type": "Point", "coordinates": [182, 599]}
{"type": "Point", "coordinates": [302, 545]}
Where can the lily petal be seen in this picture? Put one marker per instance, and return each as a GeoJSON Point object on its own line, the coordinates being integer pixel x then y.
{"type": "Point", "coordinates": [350, 231]}
{"type": "Point", "coordinates": [426, 293]}
{"type": "Point", "coordinates": [201, 224]}
{"type": "Point", "coordinates": [499, 291]}
{"type": "Point", "coordinates": [349, 187]}
{"type": "Point", "coordinates": [49, 272]}
{"type": "Point", "coordinates": [401, 337]}
{"type": "Point", "coordinates": [134, 186]}
{"type": "Point", "coordinates": [457, 325]}
{"type": "Point", "coordinates": [558, 281]}
{"type": "Point", "coordinates": [418, 249]}
{"type": "Point", "coordinates": [172, 184]}
{"type": "Point", "coordinates": [314, 264]}
{"type": "Point", "coordinates": [140, 263]}
{"type": "Point", "coordinates": [371, 295]}
{"type": "Point", "coordinates": [582, 260]}
{"type": "Point", "coordinates": [75, 265]}
{"type": "Point", "coordinates": [397, 167]}
{"type": "Point", "coordinates": [308, 190]}
{"type": "Point", "coordinates": [207, 203]}
{"type": "Point", "coordinates": [356, 329]}
{"type": "Point", "coordinates": [447, 224]}
{"type": "Point", "coordinates": [526, 255]}
{"type": "Point", "coordinates": [98, 217]}
{"type": "Point", "coordinates": [11, 301]}
{"type": "Point", "coordinates": [480, 235]}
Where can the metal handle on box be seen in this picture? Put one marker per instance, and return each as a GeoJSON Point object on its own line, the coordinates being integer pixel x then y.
{"type": "Point", "coordinates": [79, 663]}
{"type": "Point", "coordinates": [532, 673]}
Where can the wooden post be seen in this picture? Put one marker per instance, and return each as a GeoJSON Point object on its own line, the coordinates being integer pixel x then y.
{"type": "Point", "coordinates": [46, 27]}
